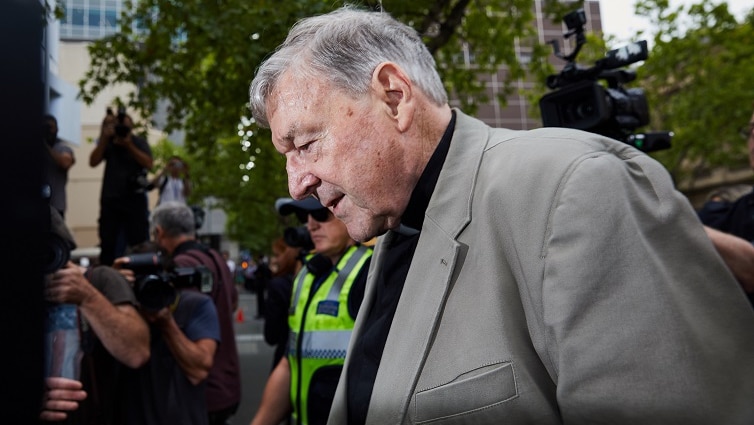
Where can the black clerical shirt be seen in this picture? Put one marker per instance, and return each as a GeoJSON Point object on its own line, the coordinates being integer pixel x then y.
{"type": "Point", "coordinates": [367, 351]}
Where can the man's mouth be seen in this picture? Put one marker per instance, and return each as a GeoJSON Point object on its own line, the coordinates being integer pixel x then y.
{"type": "Point", "coordinates": [333, 204]}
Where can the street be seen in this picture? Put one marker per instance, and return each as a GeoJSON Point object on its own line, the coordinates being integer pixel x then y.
{"type": "Point", "coordinates": [255, 356]}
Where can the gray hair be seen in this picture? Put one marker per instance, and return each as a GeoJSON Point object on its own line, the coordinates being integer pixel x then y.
{"type": "Point", "coordinates": [344, 47]}
{"type": "Point", "coordinates": [175, 218]}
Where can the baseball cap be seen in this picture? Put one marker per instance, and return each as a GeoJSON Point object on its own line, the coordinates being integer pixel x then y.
{"type": "Point", "coordinates": [286, 206]}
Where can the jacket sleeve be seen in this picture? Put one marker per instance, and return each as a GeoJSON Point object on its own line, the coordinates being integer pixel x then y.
{"type": "Point", "coordinates": [643, 322]}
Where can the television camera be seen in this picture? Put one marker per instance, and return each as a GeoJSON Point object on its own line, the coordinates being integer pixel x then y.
{"type": "Point", "coordinates": [579, 101]}
{"type": "Point", "coordinates": [157, 283]}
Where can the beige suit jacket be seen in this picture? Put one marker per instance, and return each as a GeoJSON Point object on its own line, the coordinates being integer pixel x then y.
{"type": "Point", "coordinates": [560, 278]}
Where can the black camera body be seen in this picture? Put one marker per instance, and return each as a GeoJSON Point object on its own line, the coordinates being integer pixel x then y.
{"type": "Point", "coordinates": [579, 101]}
{"type": "Point", "coordinates": [157, 285]}
{"type": "Point", "coordinates": [121, 128]}
{"type": "Point", "coordinates": [298, 237]}
{"type": "Point", "coordinates": [55, 253]}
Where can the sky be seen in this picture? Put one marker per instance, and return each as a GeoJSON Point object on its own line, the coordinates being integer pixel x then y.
{"type": "Point", "coordinates": [619, 20]}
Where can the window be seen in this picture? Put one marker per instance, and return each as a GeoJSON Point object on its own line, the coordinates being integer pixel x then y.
{"type": "Point", "coordinates": [111, 19]}
{"type": "Point", "coordinates": [94, 17]}
{"type": "Point", "coordinates": [77, 17]}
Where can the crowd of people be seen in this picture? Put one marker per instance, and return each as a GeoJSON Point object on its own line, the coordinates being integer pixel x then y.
{"type": "Point", "coordinates": [547, 276]}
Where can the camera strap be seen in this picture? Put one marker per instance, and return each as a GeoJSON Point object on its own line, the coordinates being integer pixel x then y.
{"type": "Point", "coordinates": [189, 246]}
{"type": "Point", "coordinates": [174, 306]}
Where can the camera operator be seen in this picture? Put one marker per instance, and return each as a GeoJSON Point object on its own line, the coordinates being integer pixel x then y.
{"type": "Point", "coordinates": [327, 294]}
{"type": "Point", "coordinates": [174, 231]}
{"type": "Point", "coordinates": [123, 219]}
{"type": "Point", "coordinates": [113, 335]}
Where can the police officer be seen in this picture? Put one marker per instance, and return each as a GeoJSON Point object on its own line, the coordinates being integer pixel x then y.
{"type": "Point", "coordinates": [326, 296]}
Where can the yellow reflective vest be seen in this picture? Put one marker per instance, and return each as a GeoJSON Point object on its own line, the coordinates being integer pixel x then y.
{"type": "Point", "coordinates": [320, 325]}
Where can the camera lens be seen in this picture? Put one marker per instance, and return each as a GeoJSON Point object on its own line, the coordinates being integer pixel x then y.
{"type": "Point", "coordinates": [154, 293]}
{"type": "Point", "coordinates": [298, 237]}
{"type": "Point", "coordinates": [122, 130]}
{"type": "Point", "coordinates": [56, 253]}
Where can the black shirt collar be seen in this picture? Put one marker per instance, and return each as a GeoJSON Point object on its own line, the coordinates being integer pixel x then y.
{"type": "Point", "coordinates": [413, 217]}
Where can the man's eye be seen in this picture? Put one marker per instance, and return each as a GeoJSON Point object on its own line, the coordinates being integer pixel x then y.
{"type": "Point", "coordinates": [306, 146]}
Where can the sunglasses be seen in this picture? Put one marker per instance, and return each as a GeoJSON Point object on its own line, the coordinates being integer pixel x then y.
{"type": "Point", "coordinates": [321, 215]}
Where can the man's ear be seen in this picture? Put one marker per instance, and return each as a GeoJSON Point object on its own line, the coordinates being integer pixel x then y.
{"type": "Point", "coordinates": [393, 87]}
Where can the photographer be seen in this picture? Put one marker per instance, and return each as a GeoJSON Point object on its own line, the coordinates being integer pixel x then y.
{"type": "Point", "coordinates": [170, 388]}
{"type": "Point", "coordinates": [123, 219]}
{"type": "Point", "coordinates": [113, 336]}
{"type": "Point", "coordinates": [184, 337]}
{"type": "Point", "coordinates": [61, 160]}
{"type": "Point", "coordinates": [173, 183]}
{"type": "Point", "coordinates": [174, 232]}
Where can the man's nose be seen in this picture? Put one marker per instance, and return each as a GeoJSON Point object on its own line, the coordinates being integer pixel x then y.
{"type": "Point", "coordinates": [301, 183]}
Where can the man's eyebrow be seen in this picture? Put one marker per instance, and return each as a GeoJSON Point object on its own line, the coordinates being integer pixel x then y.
{"type": "Point", "coordinates": [290, 135]}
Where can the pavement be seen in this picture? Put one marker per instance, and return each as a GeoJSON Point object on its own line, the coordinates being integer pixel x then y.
{"type": "Point", "coordinates": [255, 356]}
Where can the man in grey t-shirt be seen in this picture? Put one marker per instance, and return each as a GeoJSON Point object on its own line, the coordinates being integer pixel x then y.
{"type": "Point", "coordinates": [61, 160]}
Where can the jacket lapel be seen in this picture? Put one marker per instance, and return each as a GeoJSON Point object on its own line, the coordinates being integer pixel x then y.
{"type": "Point", "coordinates": [413, 329]}
{"type": "Point", "coordinates": [429, 278]}
{"type": "Point", "coordinates": [427, 284]}
{"type": "Point", "coordinates": [339, 409]}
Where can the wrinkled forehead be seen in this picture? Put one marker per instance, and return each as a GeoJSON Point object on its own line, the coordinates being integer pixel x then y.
{"type": "Point", "coordinates": [292, 102]}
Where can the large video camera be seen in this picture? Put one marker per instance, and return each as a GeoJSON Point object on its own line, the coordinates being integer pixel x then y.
{"type": "Point", "coordinates": [157, 284]}
{"type": "Point", "coordinates": [580, 102]}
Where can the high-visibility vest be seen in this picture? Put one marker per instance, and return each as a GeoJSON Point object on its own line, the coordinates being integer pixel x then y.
{"type": "Point", "coordinates": [320, 325]}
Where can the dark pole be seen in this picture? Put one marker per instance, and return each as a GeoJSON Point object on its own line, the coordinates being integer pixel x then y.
{"type": "Point", "coordinates": [23, 214]}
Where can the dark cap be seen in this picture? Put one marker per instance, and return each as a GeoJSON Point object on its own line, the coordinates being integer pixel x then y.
{"type": "Point", "coordinates": [285, 206]}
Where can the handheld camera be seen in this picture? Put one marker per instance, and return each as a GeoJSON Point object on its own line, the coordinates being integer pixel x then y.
{"type": "Point", "coordinates": [121, 128]}
{"type": "Point", "coordinates": [157, 284]}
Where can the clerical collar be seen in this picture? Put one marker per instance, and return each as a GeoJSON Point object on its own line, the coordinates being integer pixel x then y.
{"type": "Point", "coordinates": [413, 217]}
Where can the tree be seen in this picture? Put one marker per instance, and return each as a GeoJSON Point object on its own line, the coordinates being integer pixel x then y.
{"type": "Point", "coordinates": [200, 56]}
{"type": "Point", "coordinates": [698, 83]}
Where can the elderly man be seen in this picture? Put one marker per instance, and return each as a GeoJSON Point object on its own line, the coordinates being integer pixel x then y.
{"type": "Point", "coordinates": [550, 276]}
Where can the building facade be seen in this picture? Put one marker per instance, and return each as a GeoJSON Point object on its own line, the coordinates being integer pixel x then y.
{"type": "Point", "coordinates": [86, 21]}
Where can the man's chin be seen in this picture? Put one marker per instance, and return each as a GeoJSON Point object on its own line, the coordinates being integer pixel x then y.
{"type": "Point", "coordinates": [361, 231]}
